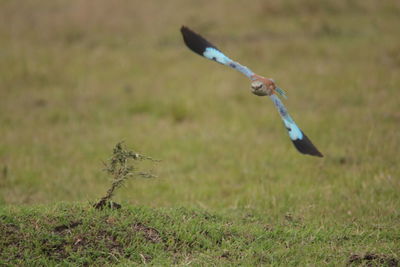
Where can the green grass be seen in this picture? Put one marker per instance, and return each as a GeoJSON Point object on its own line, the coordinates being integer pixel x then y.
{"type": "Point", "coordinates": [77, 77]}
{"type": "Point", "coordinates": [77, 235]}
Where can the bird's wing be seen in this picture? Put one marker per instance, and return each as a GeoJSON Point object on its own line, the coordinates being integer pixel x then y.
{"type": "Point", "coordinates": [299, 139]}
{"type": "Point", "coordinates": [204, 48]}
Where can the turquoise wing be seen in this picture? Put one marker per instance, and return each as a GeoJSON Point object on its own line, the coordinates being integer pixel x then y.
{"type": "Point", "coordinates": [302, 143]}
{"type": "Point", "coordinates": [204, 48]}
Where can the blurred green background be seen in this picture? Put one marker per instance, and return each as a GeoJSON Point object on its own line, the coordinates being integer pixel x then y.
{"type": "Point", "coordinates": [76, 77]}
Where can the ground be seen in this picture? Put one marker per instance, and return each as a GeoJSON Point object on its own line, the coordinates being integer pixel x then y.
{"type": "Point", "coordinates": [76, 77]}
{"type": "Point", "coordinates": [72, 234]}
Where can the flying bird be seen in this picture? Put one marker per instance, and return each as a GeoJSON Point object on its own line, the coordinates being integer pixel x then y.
{"type": "Point", "coordinates": [260, 86]}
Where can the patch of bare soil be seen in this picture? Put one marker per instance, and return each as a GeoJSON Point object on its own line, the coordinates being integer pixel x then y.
{"type": "Point", "coordinates": [371, 259]}
{"type": "Point", "coordinates": [70, 225]}
{"type": "Point", "coordinates": [150, 234]}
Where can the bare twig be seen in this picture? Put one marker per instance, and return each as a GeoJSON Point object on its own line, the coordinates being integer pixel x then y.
{"type": "Point", "coordinates": [121, 167]}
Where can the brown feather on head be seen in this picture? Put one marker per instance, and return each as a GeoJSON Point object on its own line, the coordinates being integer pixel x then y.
{"type": "Point", "coordinates": [262, 86]}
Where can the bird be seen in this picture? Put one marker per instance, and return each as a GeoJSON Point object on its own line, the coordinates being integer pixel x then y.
{"type": "Point", "coordinates": [260, 86]}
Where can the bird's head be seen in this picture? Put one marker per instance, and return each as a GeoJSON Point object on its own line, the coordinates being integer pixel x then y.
{"type": "Point", "coordinates": [263, 87]}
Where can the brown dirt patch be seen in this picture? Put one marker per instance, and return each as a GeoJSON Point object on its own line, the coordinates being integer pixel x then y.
{"type": "Point", "coordinates": [150, 233]}
{"type": "Point", "coordinates": [371, 259]}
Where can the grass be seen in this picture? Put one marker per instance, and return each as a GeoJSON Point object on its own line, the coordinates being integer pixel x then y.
{"type": "Point", "coordinates": [77, 77]}
{"type": "Point", "coordinates": [73, 234]}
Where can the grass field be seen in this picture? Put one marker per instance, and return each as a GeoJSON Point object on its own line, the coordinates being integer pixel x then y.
{"type": "Point", "coordinates": [76, 77]}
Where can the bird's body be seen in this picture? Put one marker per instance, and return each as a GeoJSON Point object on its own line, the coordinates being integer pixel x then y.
{"type": "Point", "coordinates": [260, 85]}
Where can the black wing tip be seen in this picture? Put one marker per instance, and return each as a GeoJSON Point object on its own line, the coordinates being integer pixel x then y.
{"type": "Point", "coordinates": [305, 146]}
{"type": "Point", "coordinates": [195, 41]}
{"type": "Point", "coordinates": [185, 29]}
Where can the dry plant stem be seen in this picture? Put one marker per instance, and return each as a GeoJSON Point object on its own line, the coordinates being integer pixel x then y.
{"type": "Point", "coordinates": [121, 169]}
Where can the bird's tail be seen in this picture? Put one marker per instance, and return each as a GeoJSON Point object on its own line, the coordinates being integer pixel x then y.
{"type": "Point", "coordinates": [281, 92]}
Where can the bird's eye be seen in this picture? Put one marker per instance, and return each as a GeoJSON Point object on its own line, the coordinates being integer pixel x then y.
{"type": "Point", "coordinates": [256, 85]}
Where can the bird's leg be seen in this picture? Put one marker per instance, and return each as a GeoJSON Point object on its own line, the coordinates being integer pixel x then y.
{"type": "Point", "coordinates": [261, 86]}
